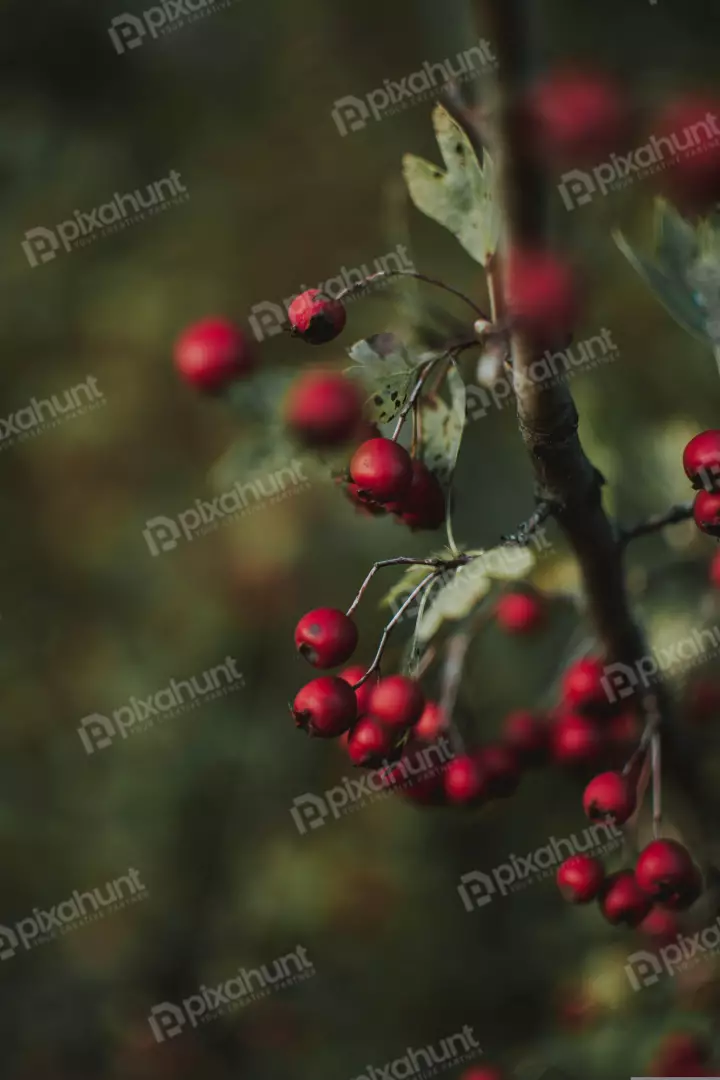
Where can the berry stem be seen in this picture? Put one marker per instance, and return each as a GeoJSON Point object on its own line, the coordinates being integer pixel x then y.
{"type": "Point", "coordinates": [360, 286]}
{"type": "Point", "coordinates": [400, 560]}
{"type": "Point", "coordinates": [673, 516]}
{"type": "Point", "coordinates": [655, 758]}
{"type": "Point", "coordinates": [414, 396]}
{"type": "Point", "coordinates": [393, 622]}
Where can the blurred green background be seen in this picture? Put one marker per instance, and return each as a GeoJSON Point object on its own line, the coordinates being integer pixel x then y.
{"type": "Point", "coordinates": [239, 103]}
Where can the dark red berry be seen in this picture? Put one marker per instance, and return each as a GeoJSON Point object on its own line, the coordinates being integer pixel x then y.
{"type": "Point", "coordinates": [580, 878]}
{"type": "Point", "coordinates": [583, 687]}
{"type": "Point", "coordinates": [541, 296]}
{"type": "Point", "coordinates": [502, 770]}
{"type": "Point", "coordinates": [353, 675]}
{"type": "Point", "coordinates": [714, 571]}
{"type": "Point", "coordinates": [382, 470]}
{"type": "Point", "coordinates": [483, 1072]}
{"type": "Point", "coordinates": [575, 740]}
{"type": "Point", "coordinates": [316, 318]}
{"type": "Point", "coordinates": [577, 117]}
{"type": "Point", "coordinates": [660, 926]}
{"type": "Point", "coordinates": [325, 708]}
{"type": "Point", "coordinates": [691, 176]}
{"type": "Point", "coordinates": [622, 730]}
{"type": "Point", "coordinates": [682, 1053]}
{"type": "Point", "coordinates": [666, 872]}
{"type": "Point", "coordinates": [323, 408]}
{"type": "Point", "coordinates": [418, 777]}
{"type": "Point", "coordinates": [212, 353]}
{"type": "Point", "coordinates": [326, 637]}
{"type": "Point", "coordinates": [465, 781]}
{"type": "Point", "coordinates": [701, 461]}
{"type": "Point", "coordinates": [397, 702]}
{"type": "Point", "coordinates": [610, 795]}
{"type": "Point", "coordinates": [431, 724]}
{"type": "Point", "coordinates": [703, 702]}
{"type": "Point", "coordinates": [623, 901]}
{"type": "Point", "coordinates": [706, 512]}
{"type": "Point", "coordinates": [527, 734]}
{"type": "Point", "coordinates": [369, 742]}
{"type": "Point", "coordinates": [423, 505]}
{"type": "Point", "coordinates": [519, 612]}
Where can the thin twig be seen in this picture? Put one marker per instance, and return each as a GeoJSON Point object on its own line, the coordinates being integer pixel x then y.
{"type": "Point", "coordinates": [400, 560]}
{"type": "Point", "coordinates": [360, 286]}
{"type": "Point", "coordinates": [673, 516]}
{"type": "Point", "coordinates": [521, 537]}
{"type": "Point", "coordinates": [425, 371]}
{"type": "Point", "coordinates": [390, 626]}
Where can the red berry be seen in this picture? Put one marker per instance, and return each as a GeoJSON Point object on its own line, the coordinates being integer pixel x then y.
{"type": "Point", "coordinates": [714, 571]}
{"type": "Point", "coordinates": [580, 878]}
{"type": "Point", "coordinates": [212, 353]}
{"type": "Point", "coordinates": [502, 770]}
{"type": "Point", "coordinates": [666, 872]}
{"type": "Point", "coordinates": [431, 724]}
{"type": "Point", "coordinates": [365, 506]}
{"type": "Point", "coordinates": [660, 926]}
{"type": "Point", "coordinates": [326, 637]}
{"type": "Point", "coordinates": [325, 708]}
{"type": "Point", "coordinates": [519, 612]}
{"type": "Point", "coordinates": [323, 408]}
{"type": "Point", "coordinates": [577, 117]}
{"type": "Point", "coordinates": [623, 901]}
{"type": "Point", "coordinates": [353, 675]}
{"type": "Point", "coordinates": [465, 780]}
{"type": "Point", "coordinates": [483, 1072]}
{"type": "Point", "coordinates": [583, 686]}
{"type": "Point", "coordinates": [622, 730]}
{"type": "Point", "coordinates": [382, 470]}
{"type": "Point", "coordinates": [701, 461]}
{"type": "Point", "coordinates": [369, 742]}
{"type": "Point", "coordinates": [527, 734]}
{"type": "Point", "coordinates": [423, 505]}
{"type": "Point", "coordinates": [610, 795]}
{"type": "Point", "coordinates": [542, 296]}
{"type": "Point", "coordinates": [575, 740]}
{"type": "Point", "coordinates": [682, 1054]}
{"type": "Point", "coordinates": [418, 779]}
{"type": "Point", "coordinates": [316, 318]}
{"type": "Point", "coordinates": [703, 702]}
{"type": "Point", "coordinates": [397, 702]}
{"type": "Point", "coordinates": [692, 174]}
{"type": "Point", "coordinates": [706, 512]}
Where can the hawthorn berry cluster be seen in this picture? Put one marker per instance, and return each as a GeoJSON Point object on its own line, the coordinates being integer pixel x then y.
{"type": "Point", "coordinates": [701, 461]}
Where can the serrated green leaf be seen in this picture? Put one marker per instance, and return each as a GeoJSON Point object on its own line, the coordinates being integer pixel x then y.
{"type": "Point", "coordinates": [675, 296]}
{"type": "Point", "coordinates": [462, 197]}
{"type": "Point", "coordinates": [386, 369]}
{"type": "Point", "coordinates": [442, 429]}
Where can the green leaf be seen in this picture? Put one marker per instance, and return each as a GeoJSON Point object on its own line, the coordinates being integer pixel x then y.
{"type": "Point", "coordinates": [676, 296]}
{"type": "Point", "coordinates": [410, 579]}
{"type": "Point", "coordinates": [676, 242]}
{"type": "Point", "coordinates": [259, 458]}
{"type": "Point", "coordinates": [442, 429]}
{"type": "Point", "coordinates": [386, 369]}
{"type": "Point", "coordinates": [462, 198]}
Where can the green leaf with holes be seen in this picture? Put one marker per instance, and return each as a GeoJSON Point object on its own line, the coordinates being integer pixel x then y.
{"type": "Point", "coordinates": [387, 370]}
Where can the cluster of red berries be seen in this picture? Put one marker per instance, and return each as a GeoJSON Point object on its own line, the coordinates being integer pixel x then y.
{"type": "Point", "coordinates": [701, 461]}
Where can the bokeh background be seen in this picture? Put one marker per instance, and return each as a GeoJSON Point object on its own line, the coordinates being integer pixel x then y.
{"type": "Point", "coordinates": [239, 103]}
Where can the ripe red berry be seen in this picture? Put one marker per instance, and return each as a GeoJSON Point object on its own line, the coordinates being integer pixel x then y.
{"type": "Point", "coordinates": [382, 470]}
{"type": "Point", "coordinates": [527, 734]}
{"type": "Point", "coordinates": [706, 512]}
{"type": "Point", "coordinates": [577, 117]}
{"type": "Point", "coordinates": [623, 901]}
{"type": "Point", "coordinates": [610, 795]}
{"type": "Point", "coordinates": [465, 780]}
{"type": "Point", "coordinates": [660, 926]}
{"type": "Point", "coordinates": [519, 612]}
{"type": "Point", "coordinates": [502, 770]}
{"type": "Point", "coordinates": [326, 637]}
{"type": "Point", "coordinates": [701, 461]}
{"type": "Point", "coordinates": [692, 175]}
{"type": "Point", "coordinates": [580, 878]}
{"type": "Point", "coordinates": [666, 872]}
{"type": "Point", "coordinates": [325, 707]}
{"type": "Point", "coordinates": [583, 686]}
{"type": "Point", "coordinates": [681, 1053]}
{"type": "Point", "coordinates": [423, 505]}
{"type": "Point", "coordinates": [622, 730]}
{"type": "Point", "coordinates": [397, 702]}
{"type": "Point", "coordinates": [542, 296]}
{"type": "Point", "coordinates": [714, 571]}
{"type": "Point", "coordinates": [703, 701]}
{"type": "Point", "coordinates": [323, 408]}
{"type": "Point", "coordinates": [353, 675]}
{"type": "Point", "coordinates": [431, 724]}
{"type": "Point", "coordinates": [316, 318]}
{"type": "Point", "coordinates": [369, 742]}
{"type": "Point", "coordinates": [416, 777]}
{"type": "Point", "coordinates": [483, 1072]}
{"type": "Point", "coordinates": [575, 740]}
{"type": "Point", "coordinates": [212, 353]}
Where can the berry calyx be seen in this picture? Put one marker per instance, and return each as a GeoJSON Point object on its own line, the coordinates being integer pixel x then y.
{"type": "Point", "coordinates": [665, 871]}
{"type": "Point", "coordinates": [519, 612]}
{"type": "Point", "coordinates": [423, 505]}
{"type": "Point", "coordinates": [610, 795]}
{"type": "Point", "coordinates": [623, 901]}
{"type": "Point", "coordinates": [502, 770]}
{"type": "Point", "coordinates": [316, 318]}
{"type": "Point", "coordinates": [583, 686]}
{"type": "Point", "coordinates": [701, 461]}
{"type": "Point", "coordinates": [575, 740]}
{"type": "Point", "coordinates": [431, 724]}
{"type": "Point", "coordinates": [541, 296]}
{"type": "Point", "coordinates": [465, 781]}
{"type": "Point", "coordinates": [369, 743]}
{"type": "Point", "coordinates": [325, 707]}
{"type": "Point", "coordinates": [353, 675]}
{"type": "Point", "coordinates": [580, 878]}
{"type": "Point", "coordinates": [577, 117]}
{"type": "Point", "coordinates": [381, 470]}
{"type": "Point", "coordinates": [323, 408]}
{"type": "Point", "coordinates": [213, 353]}
{"type": "Point", "coordinates": [527, 734]}
{"type": "Point", "coordinates": [326, 637]}
{"type": "Point", "coordinates": [397, 702]}
{"type": "Point", "coordinates": [706, 512]}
